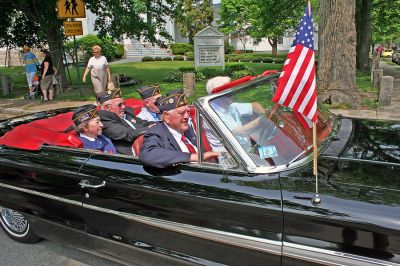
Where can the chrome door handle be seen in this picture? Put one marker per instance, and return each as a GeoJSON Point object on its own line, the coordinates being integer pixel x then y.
{"type": "Point", "coordinates": [85, 183]}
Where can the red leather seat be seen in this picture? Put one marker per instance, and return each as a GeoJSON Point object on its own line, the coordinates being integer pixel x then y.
{"type": "Point", "coordinates": [192, 114]}
{"type": "Point", "coordinates": [137, 144]}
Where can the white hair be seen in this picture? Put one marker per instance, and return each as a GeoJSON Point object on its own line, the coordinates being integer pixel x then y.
{"type": "Point", "coordinates": [216, 82]}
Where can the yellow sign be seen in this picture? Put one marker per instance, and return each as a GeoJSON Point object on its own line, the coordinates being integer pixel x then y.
{"type": "Point", "coordinates": [72, 28]}
{"type": "Point", "coordinates": [71, 9]}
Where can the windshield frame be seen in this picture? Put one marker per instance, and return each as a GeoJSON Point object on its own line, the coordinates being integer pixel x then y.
{"type": "Point", "coordinates": [203, 104]}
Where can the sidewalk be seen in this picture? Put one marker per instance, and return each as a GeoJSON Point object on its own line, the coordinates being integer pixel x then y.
{"type": "Point", "coordinates": [391, 112]}
{"type": "Point", "coordinates": [16, 107]}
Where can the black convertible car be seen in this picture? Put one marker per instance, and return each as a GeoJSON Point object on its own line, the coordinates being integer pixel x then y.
{"type": "Point", "coordinates": [252, 206]}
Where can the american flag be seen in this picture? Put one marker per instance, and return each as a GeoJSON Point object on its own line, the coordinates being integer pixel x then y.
{"type": "Point", "coordinates": [296, 84]}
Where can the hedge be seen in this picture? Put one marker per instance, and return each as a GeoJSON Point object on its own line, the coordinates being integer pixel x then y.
{"type": "Point", "coordinates": [181, 48]}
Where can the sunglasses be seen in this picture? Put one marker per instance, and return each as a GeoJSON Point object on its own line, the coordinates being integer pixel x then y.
{"type": "Point", "coordinates": [120, 104]}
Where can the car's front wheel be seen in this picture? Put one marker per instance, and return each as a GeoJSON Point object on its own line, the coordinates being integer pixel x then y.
{"type": "Point", "coordinates": [17, 226]}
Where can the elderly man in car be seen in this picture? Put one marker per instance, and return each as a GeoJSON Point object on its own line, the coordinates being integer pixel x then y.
{"type": "Point", "coordinates": [170, 142]}
{"type": "Point", "coordinates": [149, 95]}
{"type": "Point", "coordinates": [121, 125]}
{"type": "Point", "coordinates": [89, 127]}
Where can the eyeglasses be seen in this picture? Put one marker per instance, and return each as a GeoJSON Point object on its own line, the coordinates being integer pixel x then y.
{"type": "Point", "coordinates": [120, 104]}
{"type": "Point", "coordinates": [95, 52]}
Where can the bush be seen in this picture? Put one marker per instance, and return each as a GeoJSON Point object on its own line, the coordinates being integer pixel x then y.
{"type": "Point", "coordinates": [176, 76]}
{"type": "Point", "coordinates": [167, 59]}
{"type": "Point", "coordinates": [211, 72]}
{"type": "Point", "coordinates": [199, 76]}
{"type": "Point", "coordinates": [178, 58]}
{"type": "Point", "coordinates": [241, 73]}
{"type": "Point", "coordinates": [181, 48]}
{"type": "Point", "coordinates": [189, 56]}
{"type": "Point", "coordinates": [236, 67]}
{"type": "Point", "coordinates": [187, 69]}
{"type": "Point", "coordinates": [228, 49]}
{"type": "Point", "coordinates": [109, 48]}
{"type": "Point", "coordinates": [158, 58]}
{"type": "Point", "coordinates": [279, 60]}
{"type": "Point", "coordinates": [147, 59]}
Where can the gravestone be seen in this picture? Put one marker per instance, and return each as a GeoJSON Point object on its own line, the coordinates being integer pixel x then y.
{"type": "Point", "coordinates": [6, 84]}
{"type": "Point", "coordinates": [378, 73]}
{"type": "Point", "coordinates": [209, 48]}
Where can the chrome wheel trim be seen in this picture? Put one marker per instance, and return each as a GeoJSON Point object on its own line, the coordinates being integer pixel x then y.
{"type": "Point", "coordinates": [14, 222]}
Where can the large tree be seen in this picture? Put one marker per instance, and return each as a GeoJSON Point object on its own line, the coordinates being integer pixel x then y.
{"type": "Point", "coordinates": [236, 19]}
{"type": "Point", "coordinates": [192, 16]}
{"type": "Point", "coordinates": [364, 30]}
{"type": "Point", "coordinates": [114, 17]}
{"type": "Point", "coordinates": [273, 19]}
{"type": "Point", "coordinates": [386, 26]}
{"type": "Point", "coordinates": [337, 52]}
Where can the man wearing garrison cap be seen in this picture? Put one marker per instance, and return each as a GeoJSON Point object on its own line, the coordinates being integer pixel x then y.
{"type": "Point", "coordinates": [88, 125]}
{"type": "Point", "coordinates": [167, 143]}
{"type": "Point", "coordinates": [120, 123]}
{"type": "Point", "coordinates": [149, 95]}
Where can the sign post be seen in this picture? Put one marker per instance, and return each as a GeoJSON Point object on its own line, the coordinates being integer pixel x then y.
{"type": "Point", "coordinates": [72, 9]}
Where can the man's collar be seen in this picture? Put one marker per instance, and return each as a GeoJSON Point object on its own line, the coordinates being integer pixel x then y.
{"type": "Point", "coordinates": [86, 137]}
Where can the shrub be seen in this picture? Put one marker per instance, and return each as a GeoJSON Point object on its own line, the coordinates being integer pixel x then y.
{"type": "Point", "coordinates": [236, 67]}
{"type": "Point", "coordinates": [241, 73]}
{"type": "Point", "coordinates": [228, 49]}
{"type": "Point", "coordinates": [109, 48]}
{"type": "Point", "coordinates": [147, 59]}
{"type": "Point", "coordinates": [279, 60]}
{"type": "Point", "coordinates": [199, 76]}
{"type": "Point", "coordinates": [268, 59]}
{"type": "Point", "coordinates": [189, 56]}
{"type": "Point", "coordinates": [167, 59]}
{"type": "Point", "coordinates": [178, 58]}
{"type": "Point", "coordinates": [187, 69]}
{"type": "Point", "coordinates": [211, 72]}
{"type": "Point", "coordinates": [175, 76]}
{"type": "Point", "coordinates": [181, 48]}
{"type": "Point", "coordinates": [158, 58]}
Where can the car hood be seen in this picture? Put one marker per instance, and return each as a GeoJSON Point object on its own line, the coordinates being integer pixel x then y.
{"type": "Point", "coordinates": [367, 153]}
{"type": "Point", "coordinates": [373, 140]}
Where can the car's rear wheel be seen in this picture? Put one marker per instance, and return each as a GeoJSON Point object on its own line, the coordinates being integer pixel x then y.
{"type": "Point", "coordinates": [17, 226]}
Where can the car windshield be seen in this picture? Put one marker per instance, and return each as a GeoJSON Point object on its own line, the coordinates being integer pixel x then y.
{"type": "Point", "coordinates": [272, 135]}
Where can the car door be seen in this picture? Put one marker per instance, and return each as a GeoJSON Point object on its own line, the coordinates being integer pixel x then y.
{"type": "Point", "coordinates": [357, 222]}
{"type": "Point", "coordinates": [182, 214]}
{"type": "Point", "coordinates": [44, 186]}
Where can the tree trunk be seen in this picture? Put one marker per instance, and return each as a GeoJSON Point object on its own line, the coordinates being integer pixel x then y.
{"type": "Point", "coordinates": [274, 44]}
{"type": "Point", "coordinates": [363, 18]}
{"type": "Point", "coordinates": [55, 48]}
{"type": "Point", "coordinates": [337, 53]}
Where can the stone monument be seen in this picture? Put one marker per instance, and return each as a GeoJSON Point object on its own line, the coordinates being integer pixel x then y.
{"type": "Point", "coordinates": [209, 48]}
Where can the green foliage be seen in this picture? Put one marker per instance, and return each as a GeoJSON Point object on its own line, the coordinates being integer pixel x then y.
{"type": "Point", "coordinates": [178, 58]}
{"type": "Point", "coordinates": [192, 16]}
{"type": "Point", "coordinates": [181, 48]}
{"type": "Point", "coordinates": [213, 72]}
{"type": "Point", "coordinates": [385, 26]}
{"type": "Point", "coordinates": [187, 69]}
{"type": "Point", "coordinates": [189, 56]}
{"type": "Point", "coordinates": [109, 49]}
{"type": "Point", "coordinates": [147, 59]}
{"type": "Point", "coordinates": [167, 58]}
{"type": "Point", "coordinates": [228, 49]}
{"type": "Point", "coordinates": [177, 76]}
{"type": "Point", "coordinates": [157, 58]}
{"type": "Point", "coordinates": [241, 73]}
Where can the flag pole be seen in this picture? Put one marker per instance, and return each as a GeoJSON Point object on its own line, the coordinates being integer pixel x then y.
{"type": "Point", "coordinates": [316, 200]}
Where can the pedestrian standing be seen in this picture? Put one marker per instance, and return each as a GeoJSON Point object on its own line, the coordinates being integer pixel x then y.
{"type": "Point", "coordinates": [31, 63]}
{"type": "Point", "coordinates": [48, 72]}
{"type": "Point", "coordinates": [99, 70]}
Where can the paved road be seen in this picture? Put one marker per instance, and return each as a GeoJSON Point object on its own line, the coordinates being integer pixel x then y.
{"type": "Point", "coordinates": [45, 253]}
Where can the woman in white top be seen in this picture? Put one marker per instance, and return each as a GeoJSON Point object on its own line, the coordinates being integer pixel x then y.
{"type": "Point", "coordinates": [99, 70]}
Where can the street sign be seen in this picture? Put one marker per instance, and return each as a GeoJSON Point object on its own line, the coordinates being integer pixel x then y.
{"type": "Point", "coordinates": [72, 28]}
{"type": "Point", "coordinates": [71, 9]}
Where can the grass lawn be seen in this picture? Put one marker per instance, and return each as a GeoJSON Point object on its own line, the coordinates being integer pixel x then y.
{"type": "Point", "coordinates": [151, 72]}
{"type": "Point", "coordinates": [147, 72]}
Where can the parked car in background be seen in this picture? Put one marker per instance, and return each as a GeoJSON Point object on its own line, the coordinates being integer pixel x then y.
{"type": "Point", "coordinates": [255, 205]}
{"type": "Point", "coordinates": [396, 56]}
{"type": "Point", "coordinates": [387, 53]}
